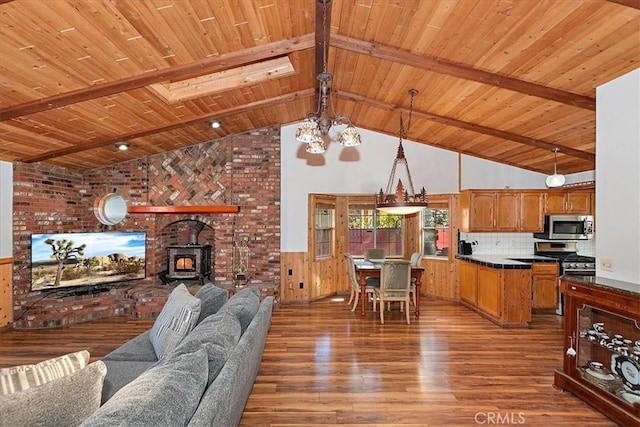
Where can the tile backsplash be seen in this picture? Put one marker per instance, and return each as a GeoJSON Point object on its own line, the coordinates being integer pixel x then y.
{"type": "Point", "coordinates": [515, 244]}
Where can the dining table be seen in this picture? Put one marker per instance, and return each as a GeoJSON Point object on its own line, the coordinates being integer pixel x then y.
{"type": "Point", "coordinates": [372, 268]}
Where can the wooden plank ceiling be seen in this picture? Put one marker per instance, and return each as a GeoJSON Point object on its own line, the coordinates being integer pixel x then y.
{"type": "Point", "coordinates": [501, 80]}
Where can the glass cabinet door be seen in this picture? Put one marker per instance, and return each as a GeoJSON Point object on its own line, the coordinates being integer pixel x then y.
{"type": "Point", "coordinates": [608, 353]}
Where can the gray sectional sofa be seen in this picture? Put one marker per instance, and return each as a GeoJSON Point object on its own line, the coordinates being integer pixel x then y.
{"type": "Point", "coordinates": [201, 379]}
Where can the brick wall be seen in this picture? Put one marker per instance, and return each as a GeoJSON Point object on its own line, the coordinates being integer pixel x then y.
{"type": "Point", "coordinates": [239, 170]}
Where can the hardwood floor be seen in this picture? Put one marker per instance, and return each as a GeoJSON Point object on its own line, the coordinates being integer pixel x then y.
{"type": "Point", "coordinates": [325, 365]}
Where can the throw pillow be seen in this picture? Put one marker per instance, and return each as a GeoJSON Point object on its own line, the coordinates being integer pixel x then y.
{"type": "Point", "coordinates": [65, 401]}
{"type": "Point", "coordinates": [213, 298]}
{"type": "Point", "coordinates": [175, 321]}
{"type": "Point", "coordinates": [244, 305]}
{"type": "Point", "coordinates": [18, 378]}
{"type": "Point", "coordinates": [218, 334]}
{"type": "Point", "coordinates": [165, 395]}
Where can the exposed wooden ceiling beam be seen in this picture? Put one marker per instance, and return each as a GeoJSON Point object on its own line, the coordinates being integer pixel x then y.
{"type": "Point", "coordinates": [79, 147]}
{"type": "Point", "coordinates": [441, 66]}
{"type": "Point", "coordinates": [630, 3]}
{"type": "Point", "coordinates": [471, 126]}
{"type": "Point", "coordinates": [204, 66]}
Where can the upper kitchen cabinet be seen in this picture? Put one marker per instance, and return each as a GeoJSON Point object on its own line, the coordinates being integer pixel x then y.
{"type": "Point", "coordinates": [501, 210]}
{"type": "Point", "coordinates": [477, 210]}
{"type": "Point", "coordinates": [531, 216]}
{"type": "Point", "coordinates": [568, 202]}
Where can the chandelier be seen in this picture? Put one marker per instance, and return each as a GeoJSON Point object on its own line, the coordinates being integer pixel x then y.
{"type": "Point", "coordinates": [315, 127]}
{"type": "Point", "coordinates": [400, 198]}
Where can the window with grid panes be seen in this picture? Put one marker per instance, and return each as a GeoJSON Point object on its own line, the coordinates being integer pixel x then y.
{"type": "Point", "coordinates": [325, 229]}
{"type": "Point", "coordinates": [369, 228]}
{"type": "Point", "coordinates": [435, 229]}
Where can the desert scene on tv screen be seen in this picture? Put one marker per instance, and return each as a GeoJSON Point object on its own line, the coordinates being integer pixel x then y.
{"type": "Point", "coordinates": [66, 260]}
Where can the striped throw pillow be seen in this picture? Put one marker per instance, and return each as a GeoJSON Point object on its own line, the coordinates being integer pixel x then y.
{"type": "Point", "coordinates": [177, 318]}
{"type": "Point", "coordinates": [18, 378]}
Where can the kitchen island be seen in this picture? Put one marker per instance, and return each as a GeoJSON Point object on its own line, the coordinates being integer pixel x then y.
{"type": "Point", "coordinates": [499, 287]}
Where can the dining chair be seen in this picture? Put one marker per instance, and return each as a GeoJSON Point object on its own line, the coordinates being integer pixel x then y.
{"type": "Point", "coordinates": [374, 253]}
{"type": "Point", "coordinates": [372, 284]}
{"type": "Point", "coordinates": [416, 257]}
{"type": "Point", "coordinates": [395, 285]}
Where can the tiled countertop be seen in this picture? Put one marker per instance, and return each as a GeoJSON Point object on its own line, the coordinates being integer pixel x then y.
{"type": "Point", "coordinates": [515, 262]}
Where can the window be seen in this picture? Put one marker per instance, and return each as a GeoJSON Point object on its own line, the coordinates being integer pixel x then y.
{"type": "Point", "coordinates": [369, 228]}
{"type": "Point", "coordinates": [325, 230]}
{"type": "Point", "coordinates": [435, 230]}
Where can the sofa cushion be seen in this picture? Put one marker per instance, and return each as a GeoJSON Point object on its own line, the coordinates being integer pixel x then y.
{"type": "Point", "coordinates": [218, 334]}
{"type": "Point", "coordinates": [18, 378]}
{"type": "Point", "coordinates": [175, 321]}
{"type": "Point", "coordinates": [244, 305]}
{"type": "Point", "coordinates": [65, 401]}
{"type": "Point", "coordinates": [138, 349]}
{"type": "Point", "coordinates": [213, 298]}
{"type": "Point", "coordinates": [121, 373]}
{"type": "Point", "coordinates": [165, 395]}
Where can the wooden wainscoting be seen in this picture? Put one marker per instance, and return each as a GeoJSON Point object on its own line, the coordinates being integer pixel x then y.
{"type": "Point", "coordinates": [6, 291]}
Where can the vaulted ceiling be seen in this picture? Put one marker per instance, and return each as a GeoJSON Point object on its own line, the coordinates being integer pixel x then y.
{"type": "Point", "coordinates": [502, 80]}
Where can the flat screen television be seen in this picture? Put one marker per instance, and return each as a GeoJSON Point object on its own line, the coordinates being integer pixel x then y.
{"type": "Point", "coordinates": [74, 260]}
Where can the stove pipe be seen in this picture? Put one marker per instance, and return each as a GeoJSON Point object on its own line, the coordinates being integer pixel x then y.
{"type": "Point", "coordinates": [194, 232]}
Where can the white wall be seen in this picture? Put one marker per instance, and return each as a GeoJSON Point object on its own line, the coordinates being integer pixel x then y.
{"type": "Point", "coordinates": [6, 210]}
{"type": "Point", "coordinates": [484, 174]}
{"type": "Point", "coordinates": [366, 169]}
{"type": "Point", "coordinates": [618, 177]}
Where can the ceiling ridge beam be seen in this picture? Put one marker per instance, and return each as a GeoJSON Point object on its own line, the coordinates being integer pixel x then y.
{"type": "Point", "coordinates": [471, 126]}
{"type": "Point", "coordinates": [458, 70]}
{"type": "Point", "coordinates": [203, 66]}
{"type": "Point", "coordinates": [148, 132]}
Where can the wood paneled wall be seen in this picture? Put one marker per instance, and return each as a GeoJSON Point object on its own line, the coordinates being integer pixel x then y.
{"type": "Point", "coordinates": [6, 291]}
{"type": "Point", "coordinates": [321, 278]}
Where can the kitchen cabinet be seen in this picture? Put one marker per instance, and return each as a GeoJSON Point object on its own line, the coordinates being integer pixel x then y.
{"type": "Point", "coordinates": [502, 295]}
{"type": "Point", "coordinates": [478, 210]}
{"type": "Point", "coordinates": [531, 216]}
{"type": "Point", "coordinates": [568, 202]}
{"type": "Point", "coordinates": [490, 210]}
{"type": "Point", "coordinates": [507, 210]}
{"type": "Point", "coordinates": [468, 273]}
{"type": "Point", "coordinates": [600, 364]}
{"type": "Point", "coordinates": [490, 291]}
{"type": "Point", "coordinates": [544, 287]}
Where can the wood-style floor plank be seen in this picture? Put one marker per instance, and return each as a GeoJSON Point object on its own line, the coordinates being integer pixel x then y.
{"type": "Point", "coordinates": [324, 365]}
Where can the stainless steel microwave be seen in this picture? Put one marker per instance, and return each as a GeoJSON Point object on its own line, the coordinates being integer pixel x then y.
{"type": "Point", "coordinates": [567, 227]}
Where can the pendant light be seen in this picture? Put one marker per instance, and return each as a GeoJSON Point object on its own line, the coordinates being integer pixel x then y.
{"type": "Point", "coordinates": [400, 198]}
{"type": "Point", "coordinates": [555, 180]}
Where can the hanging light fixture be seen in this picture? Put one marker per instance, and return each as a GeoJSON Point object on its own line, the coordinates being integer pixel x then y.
{"type": "Point", "coordinates": [316, 125]}
{"type": "Point", "coordinates": [400, 198]}
{"type": "Point", "coordinates": [555, 180]}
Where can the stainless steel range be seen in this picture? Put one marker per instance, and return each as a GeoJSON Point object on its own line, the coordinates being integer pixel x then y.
{"type": "Point", "coordinates": [570, 262]}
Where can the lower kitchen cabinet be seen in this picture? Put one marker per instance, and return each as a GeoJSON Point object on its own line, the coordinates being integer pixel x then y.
{"type": "Point", "coordinates": [468, 273]}
{"type": "Point", "coordinates": [502, 295]}
{"type": "Point", "coordinates": [544, 287]}
{"type": "Point", "coordinates": [490, 291]}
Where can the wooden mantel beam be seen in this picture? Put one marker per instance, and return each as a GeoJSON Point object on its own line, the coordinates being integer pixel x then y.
{"type": "Point", "coordinates": [212, 209]}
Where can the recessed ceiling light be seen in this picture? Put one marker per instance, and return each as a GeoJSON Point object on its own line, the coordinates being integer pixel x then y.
{"type": "Point", "coordinates": [215, 124]}
{"type": "Point", "coordinates": [122, 146]}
